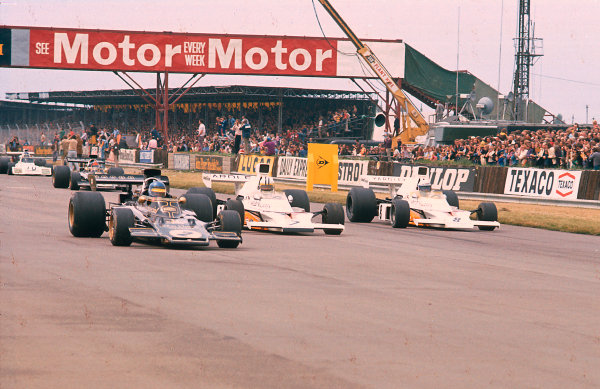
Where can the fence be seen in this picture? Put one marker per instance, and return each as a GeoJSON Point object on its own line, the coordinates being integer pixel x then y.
{"type": "Point", "coordinates": [33, 133]}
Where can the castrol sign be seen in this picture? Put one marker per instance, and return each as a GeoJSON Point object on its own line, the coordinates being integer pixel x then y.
{"type": "Point", "coordinates": [185, 53]}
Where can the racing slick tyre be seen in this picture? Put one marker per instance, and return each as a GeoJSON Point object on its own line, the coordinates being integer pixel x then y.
{"type": "Point", "coordinates": [400, 213]}
{"type": "Point", "coordinates": [61, 176]}
{"type": "Point", "coordinates": [487, 212]}
{"type": "Point", "coordinates": [205, 191]}
{"type": "Point", "coordinates": [451, 198]}
{"type": "Point", "coordinates": [238, 206]}
{"type": "Point", "coordinates": [201, 205]}
{"type": "Point", "coordinates": [75, 178]}
{"type": "Point", "coordinates": [115, 171]}
{"type": "Point", "coordinates": [87, 214]}
{"type": "Point", "coordinates": [4, 161]}
{"type": "Point", "coordinates": [361, 205]}
{"type": "Point", "coordinates": [39, 162]}
{"type": "Point", "coordinates": [121, 219]}
{"type": "Point", "coordinates": [333, 213]}
{"type": "Point", "coordinates": [230, 222]}
{"type": "Point", "coordinates": [299, 199]}
{"type": "Point", "coordinates": [9, 167]}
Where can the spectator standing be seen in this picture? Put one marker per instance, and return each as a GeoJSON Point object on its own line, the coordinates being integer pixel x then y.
{"type": "Point", "coordinates": [269, 146]}
{"type": "Point", "coordinates": [237, 131]}
{"type": "Point", "coordinates": [246, 132]}
{"type": "Point", "coordinates": [201, 131]}
{"type": "Point", "coordinates": [64, 148]}
{"type": "Point", "coordinates": [72, 152]}
{"type": "Point", "coordinates": [595, 158]}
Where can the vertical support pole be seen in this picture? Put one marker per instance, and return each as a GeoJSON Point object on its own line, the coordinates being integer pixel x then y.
{"type": "Point", "coordinates": [166, 108]}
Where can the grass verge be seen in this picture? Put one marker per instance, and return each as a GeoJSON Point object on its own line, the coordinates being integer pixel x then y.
{"type": "Point", "coordinates": [567, 219]}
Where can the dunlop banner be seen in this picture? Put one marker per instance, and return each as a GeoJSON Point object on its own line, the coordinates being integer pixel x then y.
{"type": "Point", "coordinates": [442, 178]}
{"type": "Point", "coordinates": [247, 163]}
{"type": "Point", "coordinates": [209, 164]}
{"type": "Point", "coordinates": [548, 183]}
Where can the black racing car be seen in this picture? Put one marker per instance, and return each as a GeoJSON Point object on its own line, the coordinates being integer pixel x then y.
{"type": "Point", "coordinates": [153, 216]}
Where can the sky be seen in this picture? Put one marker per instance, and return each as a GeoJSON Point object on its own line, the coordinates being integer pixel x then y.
{"type": "Point", "coordinates": [476, 34]}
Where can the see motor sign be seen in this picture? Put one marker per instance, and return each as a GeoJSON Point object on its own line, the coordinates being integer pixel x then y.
{"type": "Point", "coordinates": [186, 53]}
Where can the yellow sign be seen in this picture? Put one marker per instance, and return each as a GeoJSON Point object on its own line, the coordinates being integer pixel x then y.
{"type": "Point", "coordinates": [247, 163]}
{"type": "Point", "coordinates": [322, 165]}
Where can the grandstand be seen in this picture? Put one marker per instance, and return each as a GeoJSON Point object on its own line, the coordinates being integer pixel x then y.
{"type": "Point", "coordinates": [270, 109]}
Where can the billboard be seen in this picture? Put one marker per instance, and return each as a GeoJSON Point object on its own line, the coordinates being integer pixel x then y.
{"type": "Point", "coordinates": [56, 48]}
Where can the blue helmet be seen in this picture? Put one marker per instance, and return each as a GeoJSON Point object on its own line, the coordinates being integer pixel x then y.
{"type": "Point", "coordinates": [157, 189]}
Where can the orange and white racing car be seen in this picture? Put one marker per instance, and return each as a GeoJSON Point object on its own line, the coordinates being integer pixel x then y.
{"type": "Point", "coordinates": [413, 202]}
{"type": "Point", "coordinates": [263, 208]}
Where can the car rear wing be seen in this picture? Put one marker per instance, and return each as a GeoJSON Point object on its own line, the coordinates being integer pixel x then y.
{"type": "Point", "coordinates": [237, 179]}
{"type": "Point", "coordinates": [391, 182]}
{"type": "Point", "coordinates": [126, 179]}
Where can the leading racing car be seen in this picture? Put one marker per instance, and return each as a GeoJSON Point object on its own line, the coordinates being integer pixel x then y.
{"type": "Point", "coordinates": [63, 177]}
{"type": "Point", "coordinates": [414, 202]}
{"type": "Point", "coordinates": [152, 215]}
{"type": "Point", "coordinates": [262, 208]}
{"type": "Point", "coordinates": [25, 165]}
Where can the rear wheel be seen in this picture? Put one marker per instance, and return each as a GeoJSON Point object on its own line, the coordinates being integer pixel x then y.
{"type": "Point", "coordinates": [489, 213]}
{"type": "Point", "coordinates": [451, 198]}
{"type": "Point", "coordinates": [400, 213]}
{"type": "Point", "coordinates": [4, 161]}
{"type": "Point", "coordinates": [121, 219]}
{"type": "Point", "coordinates": [115, 171]}
{"type": "Point", "coordinates": [238, 206]}
{"type": "Point", "coordinates": [40, 162]}
{"type": "Point", "coordinates": [205, 191]}
{"type": "Point", "coordinates": [87, 214]}
{"type": "Point", "coordinates": [230, 222]}
{"type": "Point", "coordinates": [61, 176]}
{"type": "Point", "coordinates": [333, 213]}
{"type": "Point", "coordinates": [299, 198]}
{"type": "Point", "coordinates": [361, 205]}
{"type": "Point", "coordinates": [201, 205]}
{"type": "Point", "coordinates": [75, 178]}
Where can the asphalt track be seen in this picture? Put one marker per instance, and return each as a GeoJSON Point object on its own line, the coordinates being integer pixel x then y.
{"type": "Point", "coordinates": [374, 307]}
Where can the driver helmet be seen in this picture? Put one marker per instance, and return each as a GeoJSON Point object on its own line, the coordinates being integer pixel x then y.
{"type": "Point", "coordinates": [157, 189]}
{"type": "Point", "coordinates": [424, 186]}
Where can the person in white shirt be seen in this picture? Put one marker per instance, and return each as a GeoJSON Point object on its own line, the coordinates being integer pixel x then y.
{"type": "Point", "coordinates": [201, 131]}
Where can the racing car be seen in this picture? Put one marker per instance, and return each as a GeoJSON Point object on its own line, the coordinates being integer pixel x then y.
{"type": "Point", "coordinates": [25, 165]}
{"type": "Point", "coordinates": [63, 177]}
{"type": "Point", "coordinates": [152, 215]}
{"type": "Point", "coordinates": [415, 203]}
{"type": "Point", "coordinates": [262, 208]}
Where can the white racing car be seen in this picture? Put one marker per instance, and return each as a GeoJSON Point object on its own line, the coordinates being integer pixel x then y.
{"type": "Point", "coordinates": [412, 201]}
{"type": "Point", "coordinates": [26, 165]}
{"type": "Point", "coordinates": [262, 208]}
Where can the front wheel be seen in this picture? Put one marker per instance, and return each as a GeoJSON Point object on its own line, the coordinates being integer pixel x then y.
{"type": "Point", "coordinates": [489, 213]}
{"type": "Point", "coordinates": [238, 206]}
{"type": "Point", "coordinates": [333, 213]}
{"type": "Point", "coordinates": [74, 183]}
{"type": "Point", "coordinates": [361, 205]}
{"type": "Point", "coordinates": [87, 214]}
{"type": "Point", "coordinates": [400, 213]}
{"type": "Point", "coordinates": [230, 222]}
{"type": "Point", "coordinates": [121, 219]}
{"type": "Point", "coordinates": [201, 205]}
{"type": "Point", "coordinates": [61, 176]}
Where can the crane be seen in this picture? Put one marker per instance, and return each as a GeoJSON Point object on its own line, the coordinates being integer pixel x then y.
{"type": "Point", "coordinates": [408, 133]}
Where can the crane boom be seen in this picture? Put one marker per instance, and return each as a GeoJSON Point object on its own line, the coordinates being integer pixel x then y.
{"type": "Point", "coordinates": [408, 134]}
